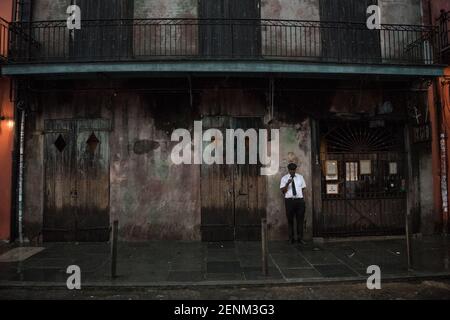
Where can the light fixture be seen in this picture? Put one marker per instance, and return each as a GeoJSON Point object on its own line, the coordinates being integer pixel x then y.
{"type": "Point", "coordinates": [9, 121]}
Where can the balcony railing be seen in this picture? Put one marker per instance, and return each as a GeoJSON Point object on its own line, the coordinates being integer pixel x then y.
{"type": "Point", "coordinates": [3, 40]}
{"type": "Point", "coordinates": [209, 39]}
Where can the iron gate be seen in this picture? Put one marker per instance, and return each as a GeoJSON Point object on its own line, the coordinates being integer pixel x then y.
{"type": "Point", "coordinates": [363, 186]}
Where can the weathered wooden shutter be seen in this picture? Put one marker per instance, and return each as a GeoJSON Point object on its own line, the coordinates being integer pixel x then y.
{"type": "Point", "coordinates": [76, 200]}
{"type": "Point", "coordinates": [228, 38]}
{"type": "Point", "coordinates": [60, 208]}
{"type": "Point", "coordinates": [106, 32]}
{"type": "Point", "coordinates": [348, 42]}
{"type": "Point", "coordinates": [233, 196]}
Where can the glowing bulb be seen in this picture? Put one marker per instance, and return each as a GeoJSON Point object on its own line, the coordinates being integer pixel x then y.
{"type": "Point", "coordinates": [10, 123]}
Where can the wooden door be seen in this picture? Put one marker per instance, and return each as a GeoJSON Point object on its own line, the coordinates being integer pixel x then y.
{"type": "Point", "coordinates": [92, 180]}
{"type": "Point", "coordinates": [233, 196]}
{"type": "Point", "coordinates": [239, 35]}
{"type": "Point", "coordinates": [249, 191]}
{"type": "Point", "coordinates": [60, 208]}
{"type": "Point", "coordinates": [347, 38]}
{"type": "Point", "coordinates": [76, 201]}
{"type": "Point", "coordinates": [217, 194]}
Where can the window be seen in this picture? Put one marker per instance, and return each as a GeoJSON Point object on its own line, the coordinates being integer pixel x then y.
{"type": "Point", "coordinates": [351, 171]}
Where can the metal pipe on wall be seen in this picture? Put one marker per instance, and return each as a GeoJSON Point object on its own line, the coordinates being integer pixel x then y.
{"type": "Point", "coordinates": [444, 85]}
{"type": "Point", "coordinates": [20, 182]}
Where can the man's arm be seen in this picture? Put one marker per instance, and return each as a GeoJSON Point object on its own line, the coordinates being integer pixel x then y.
{"type": "Point", "coordinates": [303, 183]}
{"type": "Point", "coordinates": [284, 188]}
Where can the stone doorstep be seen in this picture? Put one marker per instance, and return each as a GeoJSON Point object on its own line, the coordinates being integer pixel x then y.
{"type": "Point", "coordinates": [20, 254]}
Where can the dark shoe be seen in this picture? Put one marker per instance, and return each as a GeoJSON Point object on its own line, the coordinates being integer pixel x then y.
{"type": "Point", "coordinates": [303, 242]}
{"type": "Point", "coordinates": [292, 241]}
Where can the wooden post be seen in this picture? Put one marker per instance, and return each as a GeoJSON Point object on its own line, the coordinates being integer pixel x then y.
{"type": "Point", "coordinates": [115, 229]}
{"type": "Point", "coordinates": [408, 241]}
{"type": "Point", "coordinates": [264, 246]}
{"type": "Point", "coordinates": [410, 195]}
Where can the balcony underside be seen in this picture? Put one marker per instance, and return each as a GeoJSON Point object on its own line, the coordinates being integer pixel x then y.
{"type": "Point", "coordinates": [219, 67]}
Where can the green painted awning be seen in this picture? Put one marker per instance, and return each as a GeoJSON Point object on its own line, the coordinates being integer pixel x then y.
{"type": "Point", "coordinates": [227, 67]}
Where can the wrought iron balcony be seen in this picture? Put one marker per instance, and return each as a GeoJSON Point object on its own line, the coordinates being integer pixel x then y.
{"type": "Point", "coordinates": [444, 31]}
{"type": "Point", "coordinates": [3, 40]}
{"type": "Point", "coordinates": [216, 39]}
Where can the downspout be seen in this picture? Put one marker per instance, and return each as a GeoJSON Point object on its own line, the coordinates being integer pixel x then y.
{"type": "Point", "coordinates": [444, 154]}
{"type": "Point", "coordinates": [20, 184]}
{"type": "Point", "coordinates": [19, 173]}
{"type": "Point", "coordinates": [444, 189]}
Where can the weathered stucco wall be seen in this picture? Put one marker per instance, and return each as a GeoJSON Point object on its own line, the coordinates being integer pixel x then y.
{"type": "Point", "coordinates": [394, 43]}
{"type": "Point", "coordinates": [150, 196]}
{"type": "Point", "coordinates": [165, 9]}
{"type": "Point", "coordinates": [303, 41]}
{"type": "Point", "coordinates": [295, 146]}
{"type": "Point", "coordinates": [401, 11]}
{"type": "Point", "coordinates": [50, 9]}
{"type": "Point", "coordinates": [289, 9]}
{"type": "Point", "coordinates": [426, 193]}
{"type": "Point", "coordinates": [165, 38]}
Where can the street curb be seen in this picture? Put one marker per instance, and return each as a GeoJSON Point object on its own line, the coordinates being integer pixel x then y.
{"type": "Point", "coordinates": [215, 284]}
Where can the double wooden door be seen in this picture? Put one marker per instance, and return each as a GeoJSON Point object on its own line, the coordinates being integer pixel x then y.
{"type": "Point", "coordinates": [76, 193]}
{"type": "Point", "coordinates": [233, 195]}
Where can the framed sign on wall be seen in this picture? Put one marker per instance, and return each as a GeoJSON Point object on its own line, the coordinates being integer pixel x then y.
{"type": "Point", "coordinates": [331, 170]}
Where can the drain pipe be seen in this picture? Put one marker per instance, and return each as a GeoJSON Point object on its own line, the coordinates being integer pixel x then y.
{"type": "Point", "coordinates": [444, 189]}
{"type": "Point", "coordinates": [20, 169]}
{"type": "Point", "coordinates": [444, 154]}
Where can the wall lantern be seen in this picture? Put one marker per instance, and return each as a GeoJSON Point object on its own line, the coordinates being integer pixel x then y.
{"type": "Point", "coordinates": [9, 121]}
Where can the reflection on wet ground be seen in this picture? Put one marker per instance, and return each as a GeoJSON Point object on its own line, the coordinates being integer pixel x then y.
{"type": "Point", "coordinates": [181, 262]}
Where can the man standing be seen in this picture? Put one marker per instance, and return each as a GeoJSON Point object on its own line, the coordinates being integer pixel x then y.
{"type": "Point", "coordinates": [292, 186]}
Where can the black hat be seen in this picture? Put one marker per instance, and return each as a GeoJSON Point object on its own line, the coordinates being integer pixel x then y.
{"type": "Point", "coordinates": [292, 166]}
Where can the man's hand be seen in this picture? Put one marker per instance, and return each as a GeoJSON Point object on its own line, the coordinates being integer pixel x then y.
{"type": "Point", "coordinates": [289, 182]}
{"type": "Point", "coordinates": [285, 189]}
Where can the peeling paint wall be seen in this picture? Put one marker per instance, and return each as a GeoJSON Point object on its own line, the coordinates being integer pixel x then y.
{"type": "Point", "coordinates": [401, 11]}
{"type": "Point", "coordinates": [150, 196]}
{"type": "Point", "coordinates": [52, 41]}
{"type": "Point", "coordinates": [304, 41]}
{"type": "Point", "coordinates": [172, 39]}
{"type": "Point", "coordinates": [295, 146]}
{"type": "Point", "coordinates": [393, 43]}
{"type": "Point", "coordinates": [165, 38]}
{"type": "Point", "coordinates": [289, 9]}
{"type": "Point", "coordinates": [165, 9]}
{"type": "Point", "coordinates": [426, 193]}
{"type": "Point", "coordinates": [50, 9]}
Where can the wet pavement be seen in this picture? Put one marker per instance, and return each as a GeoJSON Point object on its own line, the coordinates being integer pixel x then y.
{"type": "Point", "coordinates": [396, 290]}
{"type": "Point", "coordinates": [172, 262]}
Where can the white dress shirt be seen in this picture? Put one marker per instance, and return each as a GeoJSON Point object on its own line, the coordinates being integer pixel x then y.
{"type": "Point", "coordinates": [299, 185]}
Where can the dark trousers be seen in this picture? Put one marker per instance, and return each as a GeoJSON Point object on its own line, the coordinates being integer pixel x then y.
{"type": "Point", "coordinates": [295, 209]}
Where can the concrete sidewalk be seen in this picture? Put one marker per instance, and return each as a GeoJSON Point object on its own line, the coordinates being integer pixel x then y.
{"type": "Point", "coordinates": [172, 263]}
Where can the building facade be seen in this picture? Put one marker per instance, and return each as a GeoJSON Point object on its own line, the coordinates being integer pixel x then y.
{"type": "Point", "coordinates": [6, 128]}
{"type": "Point", "coordinates": [349, 104]}
{"type": "Point", "coordinates": [437, 13]}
